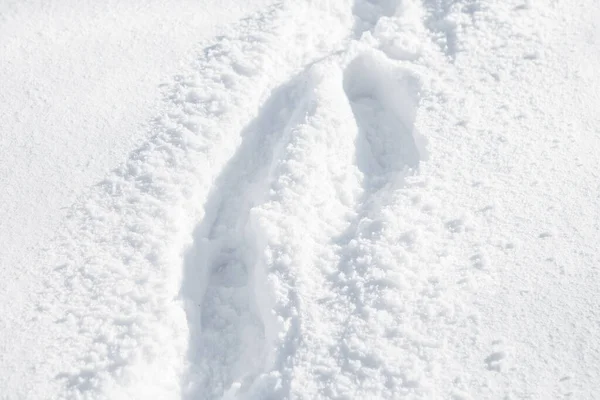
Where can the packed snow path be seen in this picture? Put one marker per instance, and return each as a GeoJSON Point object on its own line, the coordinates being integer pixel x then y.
{"type": "Point", "coordinates": [347, 200]}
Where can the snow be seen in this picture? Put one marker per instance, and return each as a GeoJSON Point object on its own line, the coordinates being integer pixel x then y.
{"type": "Point", "coordinates": [300, 200]}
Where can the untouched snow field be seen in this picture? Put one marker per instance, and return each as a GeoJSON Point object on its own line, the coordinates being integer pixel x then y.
{"type": "Point", "coordinates": [393, 199]}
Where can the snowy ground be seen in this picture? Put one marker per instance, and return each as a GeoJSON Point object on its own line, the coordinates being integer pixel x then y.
{"type": "Point", "coordinates": [299, 200]}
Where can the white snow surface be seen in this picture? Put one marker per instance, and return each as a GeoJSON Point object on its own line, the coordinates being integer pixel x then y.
{"type": "Point", "coordinates": [303, 199]}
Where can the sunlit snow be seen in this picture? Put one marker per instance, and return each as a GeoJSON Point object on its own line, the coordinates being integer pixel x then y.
{"type": "Point", "coordinates": [326, 199]}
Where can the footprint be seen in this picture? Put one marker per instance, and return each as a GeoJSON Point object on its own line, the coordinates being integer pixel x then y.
{"type": "Point", "coordinates": [227, 332]}
{"type": "Point", "coordinates": [494, 360]}
{"type": "Point", "coordinates": [384, 101]}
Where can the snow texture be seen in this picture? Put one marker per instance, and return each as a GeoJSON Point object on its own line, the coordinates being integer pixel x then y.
{"type": "Point", "coordinates": [332, 199]}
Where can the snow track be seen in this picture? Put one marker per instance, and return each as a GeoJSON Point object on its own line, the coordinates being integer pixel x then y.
{"type": "Point", "coordinates": [122, 281]}
{"type": "Point", "coordinates": [290, 281]}
{"type": "Point", "coordinates": [229, 325]}
{"type": "Point", "coordinates": [287, 232]}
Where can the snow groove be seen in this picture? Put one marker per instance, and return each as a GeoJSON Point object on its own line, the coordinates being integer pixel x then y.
{"type": "Point", "coordinates": [119, 260]}
{"type": "Point", "coordinates": [227, 334]}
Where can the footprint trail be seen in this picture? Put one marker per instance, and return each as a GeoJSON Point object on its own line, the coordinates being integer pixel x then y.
{"type": "Point", "coordinates": [274, 236]}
